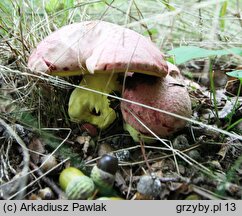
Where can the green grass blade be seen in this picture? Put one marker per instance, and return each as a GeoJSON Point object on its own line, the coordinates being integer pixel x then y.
{"type": "Point", "coordinates": [222, 15]}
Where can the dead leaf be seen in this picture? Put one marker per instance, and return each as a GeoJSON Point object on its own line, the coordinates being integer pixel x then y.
{"type": "Point", "coordinates": [104, 148]}
{"type": "Point", "coordinates": [232, 87]}
{"type": "Point", "coordinates": [223, 151]}
{"type": "Point", "coordinates": [85, 141]}
{"type": "Point", "coordinates": [36, 146]}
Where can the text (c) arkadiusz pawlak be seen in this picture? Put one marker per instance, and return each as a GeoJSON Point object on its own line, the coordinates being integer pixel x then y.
{"type": "Point", "coordinates": [49, 207]}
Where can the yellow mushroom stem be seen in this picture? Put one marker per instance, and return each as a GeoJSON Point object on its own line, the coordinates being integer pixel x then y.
{"type": "Point", "coordinates": [91, 107]}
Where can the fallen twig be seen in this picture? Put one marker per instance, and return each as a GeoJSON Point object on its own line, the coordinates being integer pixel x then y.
{"type": "Point", "coordinates": [50, 183]}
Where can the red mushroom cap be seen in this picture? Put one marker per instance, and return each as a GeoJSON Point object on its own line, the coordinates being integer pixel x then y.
{"type": "Point", "coordinates": [96, 47]}
{"type": "Point", "coordinates": [162, 93]}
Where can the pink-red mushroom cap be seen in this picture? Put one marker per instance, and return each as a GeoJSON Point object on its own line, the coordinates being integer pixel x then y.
{"type": "Point", "coordinates": [163, 93]}
{"type": "Point", "coordinates": [91, 47]}
{"type": "Point", "coordinates": [96, 47]}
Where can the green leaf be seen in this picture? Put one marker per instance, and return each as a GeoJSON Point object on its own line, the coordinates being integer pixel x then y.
{"type": "Point", "coordinates": [53, 6]}
{"type": "Point", "coordinates": [186, 53]}
{"type": "Point", "coordinates": [28, 120]}
{"type": "Point", "coordinates": [236, 74]}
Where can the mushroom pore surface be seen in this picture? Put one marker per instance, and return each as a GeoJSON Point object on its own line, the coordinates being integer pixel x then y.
{"type": "Point", "coordinates": [91, 107]}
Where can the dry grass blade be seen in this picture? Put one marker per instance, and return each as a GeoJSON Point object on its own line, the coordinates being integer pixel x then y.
{"type": "Point", "coordinates": [24, 173]}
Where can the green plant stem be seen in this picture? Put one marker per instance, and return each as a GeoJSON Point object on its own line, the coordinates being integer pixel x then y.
{"type": "Point", "coordinates": [213, 90]}
{"type": "Point", "coordinates": [234, 124]}
{"type": "Point", "coordinates": [233, 110]}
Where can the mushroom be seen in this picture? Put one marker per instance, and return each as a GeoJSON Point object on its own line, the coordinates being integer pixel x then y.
{"type": "Point", "coordinates": [166, 93]}
{"type": "Point", "coordinates": [97, 50]}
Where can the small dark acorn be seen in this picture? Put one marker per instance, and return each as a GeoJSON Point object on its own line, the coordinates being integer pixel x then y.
{"type": "Point", "coordinates": [108, 164]}
{"type": "Point", "coordinates": [103, 174]}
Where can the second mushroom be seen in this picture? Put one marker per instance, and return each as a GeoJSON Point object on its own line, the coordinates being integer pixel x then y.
{"type": "Point", "coordinates": [165, 94]}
